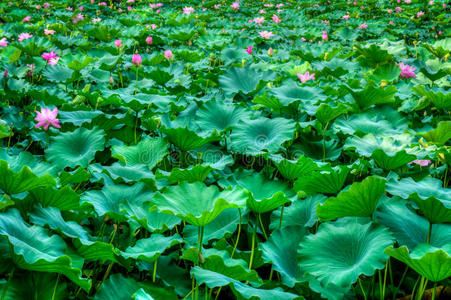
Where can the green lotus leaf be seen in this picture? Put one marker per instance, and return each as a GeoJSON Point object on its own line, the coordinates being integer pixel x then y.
{"type": "Point", "coordinates": [301, 213]}
{"type": "Point", "coordinates": [151, 248]}
{"type": "Point", "coordinates": [263, 195]}
{"type": "Point", "coordinates": [149, 218]}
{"type": "Point", "coordinates": [57, 73]}
{"type": "Point", "coordinates": [440, 98]}
{"type": "Point", "coordinates": [5, 130]}
{"type": "Point", "coordinates": [380, 121]}
{"type": "Point", "coordinates": [372, 55]}
{"type": "Point", "coordinates": [281, 251]}
{"type": "Point", "coordinates": [197, 203]}
{"type": "Point", "coordinates": [223, 226]}
{"type": "Point", "coordinates": [141, 294]}
{"type": "Point", "coordinates": [191, 174]}
{"type": "Point", "coordinates": [219, 261]}
{"type": "Point", "coordinates": [244, 80]}
{"type": "Point", "coordinates": [5, 201]}
{"type": "Point", "coordinates": [85, 244]}
{"type": "Point", "coordinates": [315, 149]}
{"type": "Point", "coordinates": [213, 279]}
{"type": "Point", "coordinates": [129, 174]}
{"type": "Point", "coordinates": [326, 182]}
{"type": "Point", "coordinates": [439, 135]}
{"type": "Point", "coordinates": [64, 198]}
{"type": "Point", "coordinates": [31, 248]}
{"type": "Point", "coordinates": [258, 136]}
{"type": "Point", "coordinates": [77, 61]}
{"type": "Point", "coordinates": [17, 162]}
{"type": "Point", "coordinates": [326, 113]}
{"type": "Point", "coordinates": [388, 152]}
{"type": "Point", "coordinates": [290, 92]}
{"type": "Point", "coordinates": [187, 139]}
{"type": "Point", "coordinates": [147, 152]}
{"type": "Point", "coordinates": [70, 149]}
{"type": "Point", "coordinates": [386, 72]}
{"type": "Point", "coordinates": [219, 115]}
{"type": "Point", "coordinates": [360, 200]}
{"type": "Point", "coordinates": [77, 176]}
{"type": "Point", "coordinates": [10, 54]}
{"type": "Point", "coordinates": [428, 261]}
{"type": "Point", "coordinates": [293, 169]}
{"type": "Point", "coordinates": [346, 33]}
{"type": "Point", "coordinates": [172, 275]}
{"type": "Point", "coordinates": [342, 251]}
{"type": "Point", "coordinates": [24, 180]}
{"type": "Point", "coordinates": [409, 228]}
{"type": "Point", "coordinates": [117, 201]}
{"type": "Point", "coordinates": [371, 95]}
{"type": "Point", "coordinates": [39, 285]}
{"type": "Point", "coordinates": [336, 67]}
{"type": "Point", "coordinates": [432, 199]}
{"type": "Point", "coordinates": [119, 287]}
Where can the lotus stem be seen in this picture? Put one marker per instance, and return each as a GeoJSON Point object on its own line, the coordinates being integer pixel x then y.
{"type": "Point", "coordinates": [154, 270]}
{"type": "Point", "coordinates": [252, 247]}
{"type": "Point", "coordinates": [238, 235]}
{"type": "Point", "coordinates": [363, 291]}
{"type": "Point", "coordinates": [281, 216]}
{"type": "Point", "coordinates": [324, 141]}
{"type": "Point", "coordinates": [433, 291]}
{"type": "Point", "coordinates": [56, 285]}
{"type": "Point", "coordinates": [201, 237]}
{"type": "Point", "coordinates": [10, 277]}
{"type": "Point", "coordinates": [261, 225]}
{"type": "Point", "coordinates": [217, 293]}
{"type": "Point", "coordinates": [400, 282]}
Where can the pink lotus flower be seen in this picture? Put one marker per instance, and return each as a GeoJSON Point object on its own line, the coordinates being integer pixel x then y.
{"type": "Point", "coordinates": [96, 20]}
{"type": "Point", "coordinates": [325, 37]}
{"type": "Point", "coordinates": [389, 11]}
{"type": "Point", "coordinates": [235, 5]}
{"type": "Point", "coordinates": [53, 61]}
{"type": "Point", "coordinates": [49, 32]}
{"type": "Point", "coordinates": [306, 76]}
{"type": "Point", "coordinates": [149, 40]}
{"type": "Point", "coordinates": [32, 67]}
{"type": "Point", "coordinates": [168, 54]}
{"type": "Point", "coordinates": [49, 55]}
{"type": "Point", "coordinates": [24, 36]}
{"type": "Point", "coordinates": [262, 11]}
{"type": "Point", "coordinates": [407, 1]}
{"type": "Point", "coordinates": [398, 9]}
{"type": "Point", "coordinates": [137, 60]}
{"type": "Point", "coordinates": [270, 51]}
{"type": "Point", "coordinates": [46, 5]}
{"type": "Point", "coordinates": [391, 22]}
{"type": "Point", "coordinates": [217, 6]}
{"type": "Point", "coordinates": [346, 17]}
{"type": "Point", "coordinates": [188, 10]}
{"type": "Point", "coordinates": [266, 34]}
{"type": "Point", "coordinates": [38, 7]}
{"type": "Point", "coordinates": [46, 118]}
{"type": "Point", "coordinates": [431, 2]}
{"type": "Point", "coordinates": [26, 19]}
{"type": "Point", "coordinates": [118, 43]}
{"type": "Point", "coordinates": [249, 50]}
{"type": "Point", "coordinates": [420, 14]}
{"type": "Point", "coordinates": [276, 19]}
{"type": "Point", "coordinates": [421, 162]}
{"type": "Point", "coordinates": [363, 26]}
{"type": "Point", "coordinates": [407, 71]}
{"type": "Point", "coordinates": [259, 20]}
{"type": "Point", "coordinates": [3, 42]}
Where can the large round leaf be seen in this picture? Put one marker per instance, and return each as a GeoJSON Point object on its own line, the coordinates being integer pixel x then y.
{"type": "Point", "coordinates": [340, 252]}
{"type": "Point", "coordinates": [243, 80]}
{"type": "Point", "coordinates": [78, 147]}
{"type": "Point", "coordinates": [197, 203]}
{"type": "Point", "coordinates": [219, 115]}
{"type": "Point", "coordinates": [261, 135]}
{"type": "Point", "coordinates": [147, 152]}
{"type": "Point", "coordinates": [359, 200]}
{"type": "Point", "coordinates": [431, 262]}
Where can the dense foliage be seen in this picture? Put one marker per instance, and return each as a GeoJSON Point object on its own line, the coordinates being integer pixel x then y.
{"type": "Point", "coordinates": [220, 150]}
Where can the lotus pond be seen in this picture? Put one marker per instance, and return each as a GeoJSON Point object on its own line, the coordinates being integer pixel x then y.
{"type": "Point", "coordinates": [225, 149]}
